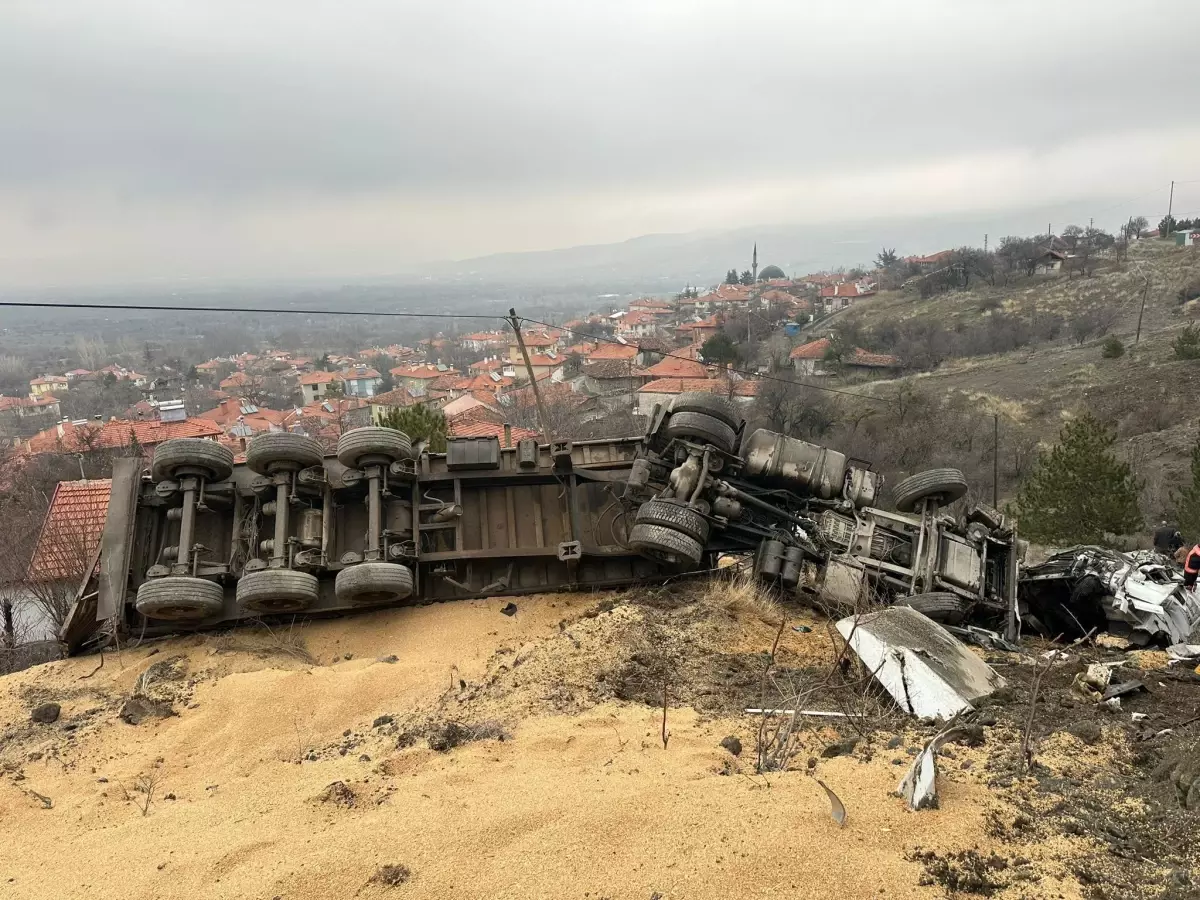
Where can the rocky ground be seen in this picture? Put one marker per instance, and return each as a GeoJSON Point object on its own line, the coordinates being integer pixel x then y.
{"type": "Point", "coordinates": [453, 751]}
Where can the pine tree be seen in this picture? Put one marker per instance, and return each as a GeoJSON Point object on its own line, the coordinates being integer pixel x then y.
{"type": "Point", "coordinates": [1079, 492]}
{"type": "Point", "coordinates": [1187, 501]}
{"type": "Point", "coordinates": [420, 423]}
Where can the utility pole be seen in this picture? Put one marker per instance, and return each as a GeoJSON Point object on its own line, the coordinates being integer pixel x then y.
{"type": "Point", "coordinates": [995, 461]}
{"type": "Point", "coordinates": [1145, 290]}
{"type": "Point", "coordinates": [1170, 206]}
{"type": "Point", "coordinates": [543, 420]}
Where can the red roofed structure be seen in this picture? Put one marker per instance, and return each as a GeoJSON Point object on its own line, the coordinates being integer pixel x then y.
{"type": "Point", "coordinates": [807, 358]}
{"type": "Point", "coordinates": [69, 437]}
{"type": "Point", "coordinates": [71, 531]}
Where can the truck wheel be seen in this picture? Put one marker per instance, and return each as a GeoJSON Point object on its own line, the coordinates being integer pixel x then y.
{"type": "Point", "coordinates": [674, 515]}
{"type": "Point", "coordinates": [665, 544]}
{"type": "Point", "coordinates": [276, 591]}
{"type": "Point", "coordinates": [941, 606]}
{"type": "Point", "coordinates": [703, 428]}
{"type": "Point", "coordinates": [364, 445]}
{"type": "Point", "coordinates": [180, 598]}
{"type": "Point", "coordinates": [180, 454]}
{"type": "Point", "coordinates": [718, 407]}
{"type": "Point", "coordinates": [373, 583]}
{"type": "Point", "coordinates": [943, 485]}
{"type": "Point", "coordinates": [283, 452]}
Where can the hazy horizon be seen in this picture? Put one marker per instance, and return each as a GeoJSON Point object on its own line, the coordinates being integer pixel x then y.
{"type": "Point", "coordinates": [167, 141]}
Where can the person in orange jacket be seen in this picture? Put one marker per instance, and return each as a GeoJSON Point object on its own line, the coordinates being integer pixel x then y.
{"type": "Point", "coordinates": [1191, 566]}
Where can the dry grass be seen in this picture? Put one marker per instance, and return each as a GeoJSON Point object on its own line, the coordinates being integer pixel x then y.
{"type": "Point", "coordinates": [740, 596]}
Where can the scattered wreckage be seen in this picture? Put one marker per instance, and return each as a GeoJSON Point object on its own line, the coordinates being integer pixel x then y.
{"type": "Point", "coordinates": [200, 541]}
{"type": "Point", "coordinates": [1138, 596]}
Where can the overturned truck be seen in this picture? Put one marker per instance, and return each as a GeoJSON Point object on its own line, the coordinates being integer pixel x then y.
{"type": "Point", "coordinates": [200, 541]}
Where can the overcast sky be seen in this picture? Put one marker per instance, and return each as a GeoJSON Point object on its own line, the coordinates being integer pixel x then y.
{"type": "Point", "coordinates": [144, 139]}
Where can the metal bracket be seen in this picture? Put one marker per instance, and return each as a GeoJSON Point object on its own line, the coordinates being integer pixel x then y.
{"type": "Point", "coordinates": [570, 550]}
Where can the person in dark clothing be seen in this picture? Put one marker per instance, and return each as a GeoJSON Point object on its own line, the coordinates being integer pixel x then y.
{"type": "Point", "coordinates": [1167, 539]}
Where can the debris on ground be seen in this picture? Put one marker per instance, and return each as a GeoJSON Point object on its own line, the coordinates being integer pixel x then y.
{"type": "Point", "coordinates": [1139, 596]}
{"type": "Point", "coordinates": [919, 785]}
{"type": "Point", "coordinates": [837, 809]}
{"type": "Point", "coordinates": [928, 671]}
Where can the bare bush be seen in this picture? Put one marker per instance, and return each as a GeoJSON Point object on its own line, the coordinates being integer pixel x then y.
{"type": "Point", "coordinates": [741, 596]}
{"type": "Point", "coordinates": [143, 788]}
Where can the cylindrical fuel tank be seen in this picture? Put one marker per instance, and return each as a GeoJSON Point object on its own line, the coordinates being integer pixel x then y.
{"type": "Point", "coordinates": [795, 463]}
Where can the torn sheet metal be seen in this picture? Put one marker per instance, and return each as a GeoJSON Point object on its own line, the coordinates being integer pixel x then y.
{"type": "Point", "coordinates": [928, 671]}
{"type": "Point", "coordinates": [1140, 594]}
{"type": "Point", "coordinates": [919, 786]}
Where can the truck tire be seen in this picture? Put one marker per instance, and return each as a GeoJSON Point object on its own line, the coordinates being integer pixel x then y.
{"type": "Point", "coordinates": [177, 454]}
{"type": "Point", "coordinates": [943, 485]}
{"type": "Point", "coordinates": [702, 428]}
{"type": "Point", "coordinates": [180, 598]}
{"type": "Point", "coordinates": [283, 452]}
{"type": "Point", "coordinates": [665, 544]}
{"type": "Point", "coordinates": [720, 408]}
{"type": "Point", "coordinates": [360, 444]}
{"type": "Point", "coordinates": [373, 583]}
{"type": "Point", "coordinates": [674, 515]}
{"type": "Point", "coordinates": [941, 606]}
{"type": "Point", "coordinates": [276, 591]}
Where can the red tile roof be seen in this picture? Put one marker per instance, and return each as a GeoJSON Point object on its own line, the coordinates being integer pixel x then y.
{"type": "Point", "coordinates": [71, 530]}
{"type": "Point", "coordinates": [673, 367]}
{"type": "Point", "coordinates": [817, 349]}
{"type": "Point", "coordinates": [421, 371]}
{"type": "Point", "coordinates": [812, 350]}
{"type": "Point", "coordinates": [613, 351]}
{"type": "Point", "coordinates": [115, 433]}
{"type": "Point", "coordinates": [708, 385]}
{"type": "Point", "coordinates": [315, 378]}
{"type": "Point", "coordinates": [398, 397]}
{"type": "Point", "coordinates": [475, 428]}
{"type": "Point", "coordinates": [845, 290]}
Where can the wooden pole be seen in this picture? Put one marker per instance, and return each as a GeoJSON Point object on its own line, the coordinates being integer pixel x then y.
{"type": "Point", "coordinates": [543, 420]}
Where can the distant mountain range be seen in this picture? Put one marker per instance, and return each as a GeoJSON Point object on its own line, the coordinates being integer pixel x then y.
{"type": "Point", "coordinates": [666, 262]}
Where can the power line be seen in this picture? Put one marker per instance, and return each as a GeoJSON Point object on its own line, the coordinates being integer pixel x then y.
{"type": "Point", "coordinates": [743, 372]}
{"type": "Point", "coordinates": [242, 309]}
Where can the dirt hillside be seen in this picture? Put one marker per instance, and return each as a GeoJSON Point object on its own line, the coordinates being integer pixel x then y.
{"type": "Point", "coordinates": [453, 751]}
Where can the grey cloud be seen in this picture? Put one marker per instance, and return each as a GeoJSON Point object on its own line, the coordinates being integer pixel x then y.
{"type": "Point", "coordinates": [225, 105]}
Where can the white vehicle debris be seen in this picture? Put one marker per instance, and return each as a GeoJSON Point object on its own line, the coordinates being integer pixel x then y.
{"type": "Point", "coordinates": [928, 671]}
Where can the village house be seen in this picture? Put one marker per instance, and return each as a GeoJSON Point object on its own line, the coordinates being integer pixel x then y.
{"type": "Point", "coordinates": [699, 332]}
{"type": "Point", "coordinates": [234, 412]}
{"type": "Point", "coordinates": [383, 404]}
{"type": "Point", "coordinates": [88, 435]}
{"type": "Point", "coordinates": [361, 381]}
{"type": "Point", "coordinates": [810, 359]}
{"type": "Point", "coordinates": [664, 390]}
{"type": "Point", "coordinates": [47, 384]}
{"type": "Point", "coordinates": [418, 379]}
{"type": "Point", "coordinates": [841, 296]}
{"type": "Point", "coordinates": [637, 323]}
{"type": "Point", "coordinates": [314, 386]}
{"type": "Point", "coordinates": [609, 378]}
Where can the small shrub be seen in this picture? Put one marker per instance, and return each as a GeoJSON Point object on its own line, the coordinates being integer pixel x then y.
{"type": "Point", "coordinates": [741, 596]}
{"type": "Point", "coordinates": [1187, 344]}
{"type": "Point", "coordinates": [1189, 292]}
{"type": "Point", "coordinates": [1112, 348]}
{"type": "Point", "coordinates": [392, 876]}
